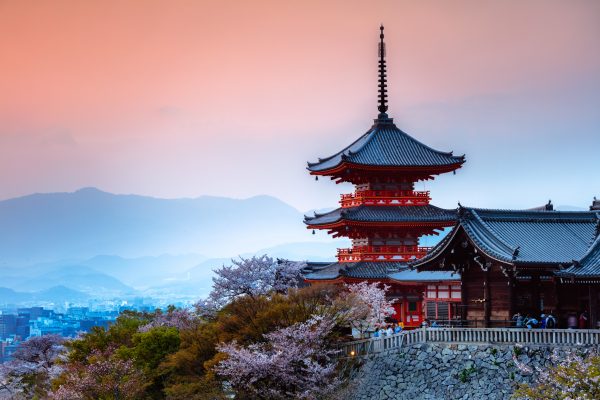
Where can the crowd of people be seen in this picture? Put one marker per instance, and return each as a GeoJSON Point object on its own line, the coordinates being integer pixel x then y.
{"type": "Point", "coordinates": [548, 321]}
{"type": "Point", "coordinates": [388, 330]}
{"type": "Point", "coordinates": [545, 321]}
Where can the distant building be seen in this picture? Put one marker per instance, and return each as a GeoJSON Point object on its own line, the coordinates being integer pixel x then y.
{"type": "Point", "coordinates": [8, 325]}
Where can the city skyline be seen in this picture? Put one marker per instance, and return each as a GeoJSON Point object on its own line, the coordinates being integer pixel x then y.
{"type": "Point", "coordinates": [187, 99]}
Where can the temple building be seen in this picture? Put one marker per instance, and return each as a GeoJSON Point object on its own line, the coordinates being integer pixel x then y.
{"type": "Point", "coordinates": [385, 217]}
{"type": "Point", "coordinates": [527, 261]}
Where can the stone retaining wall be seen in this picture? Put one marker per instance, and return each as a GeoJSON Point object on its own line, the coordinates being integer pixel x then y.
{"type": "Point", "coordinates": [437, 371]}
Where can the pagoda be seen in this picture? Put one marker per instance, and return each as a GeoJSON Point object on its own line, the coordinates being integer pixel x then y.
{"type": "Point", "coordinates": [385, 217]}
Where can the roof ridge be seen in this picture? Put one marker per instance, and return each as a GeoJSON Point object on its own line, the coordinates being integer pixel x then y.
{"type": "Point", "coordinates": [490, 232]}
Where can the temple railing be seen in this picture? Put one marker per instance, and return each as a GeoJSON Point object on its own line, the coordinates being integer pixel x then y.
{"type": "Point", "coordinates": [505, 336]}
{"type": "Point", "coordinates": [385, 198]}
{"type": "Point", "coordinates": [382, 253]}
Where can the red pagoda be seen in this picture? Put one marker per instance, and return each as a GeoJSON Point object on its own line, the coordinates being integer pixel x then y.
{"type": "Point", "coordinates": [385, 217]}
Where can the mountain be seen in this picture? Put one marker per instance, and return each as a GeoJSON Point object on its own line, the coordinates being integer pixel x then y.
{"type": "Point", "coordinates": [89, 222]}
{"type": "Point", "coordinates": [56, 294]}
{"type": "Point", "coordinates": [42, 277]}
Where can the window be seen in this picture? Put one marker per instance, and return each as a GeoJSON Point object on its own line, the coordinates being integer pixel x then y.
{"type": "Point", "coordinates": [412, 306]}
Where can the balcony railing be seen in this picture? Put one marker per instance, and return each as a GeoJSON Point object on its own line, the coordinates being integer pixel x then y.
{"type": "Point", "coordinates": [382, 253]}
{"type": "Point", "coordinates": [502, 336]}
{"type": "Point", "coordinates": [385, 198]}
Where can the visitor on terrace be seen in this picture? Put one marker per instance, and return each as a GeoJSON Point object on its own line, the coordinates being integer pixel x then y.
{"type": "Point", "coordinates": [518, 320]}
{"type": "Point", "coordinates": [572, 321]}
{"type": "Point", "coordinates": [549, 322]}
{"type": "Point", "coordinates": [389, 331]}
{"type": "Point", "coordinates": [531, 322]}
{"type": "Point", "coordinates": [583, 320]}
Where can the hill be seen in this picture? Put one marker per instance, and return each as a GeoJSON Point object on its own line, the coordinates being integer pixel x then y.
{"type": "Point", "coordinates": [89, 222]}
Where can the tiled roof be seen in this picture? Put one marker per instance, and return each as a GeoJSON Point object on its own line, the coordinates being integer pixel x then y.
{"type": "Point", "coordinates": [588, 266]}
{"type": "Point", "coordinates": [411, 275]}
{"type": "Point", "coordinates": [524, 237]}
{"type": "Point", "coordinates": [368, 270]}
{"type": "Point", "coordinates": [386, 145]}
{"type": "Point", "coordinates": [377, 270]}
{"type": "Point", "coordinates": [427, 213]}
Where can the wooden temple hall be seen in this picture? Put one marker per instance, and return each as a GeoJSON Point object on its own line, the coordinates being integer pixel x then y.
{"type": "Point", "coordinates": [492, 264]}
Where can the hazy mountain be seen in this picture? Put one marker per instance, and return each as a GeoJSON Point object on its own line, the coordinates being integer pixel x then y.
{"type": "Point", "coordinates": [74, 277]}
{"type": "Point", "coordinates": [89, 222]}
{"type": "Point", "coordinates": [56, 294]}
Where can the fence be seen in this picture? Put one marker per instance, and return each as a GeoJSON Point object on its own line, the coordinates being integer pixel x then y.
{"type": "Point", "coordinates": [550, 337]}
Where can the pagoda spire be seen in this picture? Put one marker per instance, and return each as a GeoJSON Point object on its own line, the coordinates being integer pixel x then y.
{"type": "Point", "coordinates": [382, 78]}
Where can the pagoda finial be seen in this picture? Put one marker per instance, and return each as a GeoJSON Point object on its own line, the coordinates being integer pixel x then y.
{"type": "Point", "coordinates": [382, 77]}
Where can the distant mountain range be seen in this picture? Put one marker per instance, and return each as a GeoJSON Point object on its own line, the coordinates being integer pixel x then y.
{"type": "Point", "coordinates": [55, 294]}
{"type": "Point", "coordinates": [89, 222]}
{"type": "Point", "coordinates": [98, 244]}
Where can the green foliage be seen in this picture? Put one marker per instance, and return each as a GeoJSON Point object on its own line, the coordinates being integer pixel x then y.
{"type": "Point", "coordinates": [517, 351]}
{"type": "Point", "coordinates": [463, 376]}
{"type": "Point", "coordinates": [119, 334]}
{"type": "Point", "coordinates": [177, 363]}
{"type": "Point", "coordinates": [493, 351]}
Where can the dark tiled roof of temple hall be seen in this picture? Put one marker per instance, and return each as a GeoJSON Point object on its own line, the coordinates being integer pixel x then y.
{"type": "Point", "coordinates": [386, 145]}
{"type": "Point", "coordinates": [426, 213]}
{"type": "Point", "coordinates": [373, 270]}
{"type": "Point", "coordinates": [588, 266]}
{"type": "Point", "coordinates": [524, 236]}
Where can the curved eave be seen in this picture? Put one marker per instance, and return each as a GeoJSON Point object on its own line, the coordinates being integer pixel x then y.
{"type": "Point", "coordinates": [377, 224]}
{"type": "Point", "coordinates": [407, 169]}
{"type": "Point", "coordinates": [439, 251]}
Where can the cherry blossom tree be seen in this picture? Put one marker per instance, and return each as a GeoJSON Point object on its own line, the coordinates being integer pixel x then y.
{"type": "Point", "coordinates": [34, 365]}
{"type": "Point", "coordinates": [179, 318]}
{"type": "Point", "coordinates": [103, 377]}
{"type": "Point", "coordinates": [574, 376]}
{"type": "Point", "coordinates": [369, 306]}
{"type": "Point", "coordinates": [255, 276]}
{"type": "Point", "coordinates": [294, 363]}
{"type": "Point", "coordinates": [10, 382]}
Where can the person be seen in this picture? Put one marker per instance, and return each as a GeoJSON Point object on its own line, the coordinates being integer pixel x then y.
{"type": "Point", "coordinates": [376, 333]}
{"type": "Point", "coordinates": [550, 321]}
{"type": "Point", "coordinates": [389, 331]}
{"type": "Point", "coordinates": [425, 323]}
{"type": "Point", "coordinates": [434, 324]}
{"type": "Point", "coordinates": [543, 321]}
{"type": "Point", "coordinates": [572, 321]}
{"type": "Point", "coordinates": [531, 323]}
{"type": "Point", "coordinates": [583, 320]}
{"type": "Point", "coordinates": [381, 332]}
{"type": "Point", "coordinates": [398, 328]}
{"type": "Point", "coordinates": [518, 318]}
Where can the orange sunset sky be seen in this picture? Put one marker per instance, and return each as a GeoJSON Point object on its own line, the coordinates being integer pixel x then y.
{"type": "Point", "coordinates": [231, 98]}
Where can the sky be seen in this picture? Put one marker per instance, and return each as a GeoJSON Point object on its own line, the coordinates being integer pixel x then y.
{"type": "Point", "coordinates": [231, 98]}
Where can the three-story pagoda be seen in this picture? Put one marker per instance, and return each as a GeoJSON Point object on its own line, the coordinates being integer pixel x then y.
{"type": "Point", "coordinates": [385, 216]}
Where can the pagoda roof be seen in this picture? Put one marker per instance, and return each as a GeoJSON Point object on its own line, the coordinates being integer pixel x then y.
{"type": "Point", "coordinates": [397, 271]}
{"type": "Point", "coordinates": [391, 214]}
{"type": "Point", "coordinates": [522, 236]}
{"type": "Point", "coordinates": [384, 145]}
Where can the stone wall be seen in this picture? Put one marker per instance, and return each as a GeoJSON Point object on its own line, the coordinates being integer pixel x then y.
{"type": "Point", "coordinates": [437, 371]}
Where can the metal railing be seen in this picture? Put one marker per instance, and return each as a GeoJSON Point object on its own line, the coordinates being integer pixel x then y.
{"type": "Point", "coordinates": [507, 336]}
